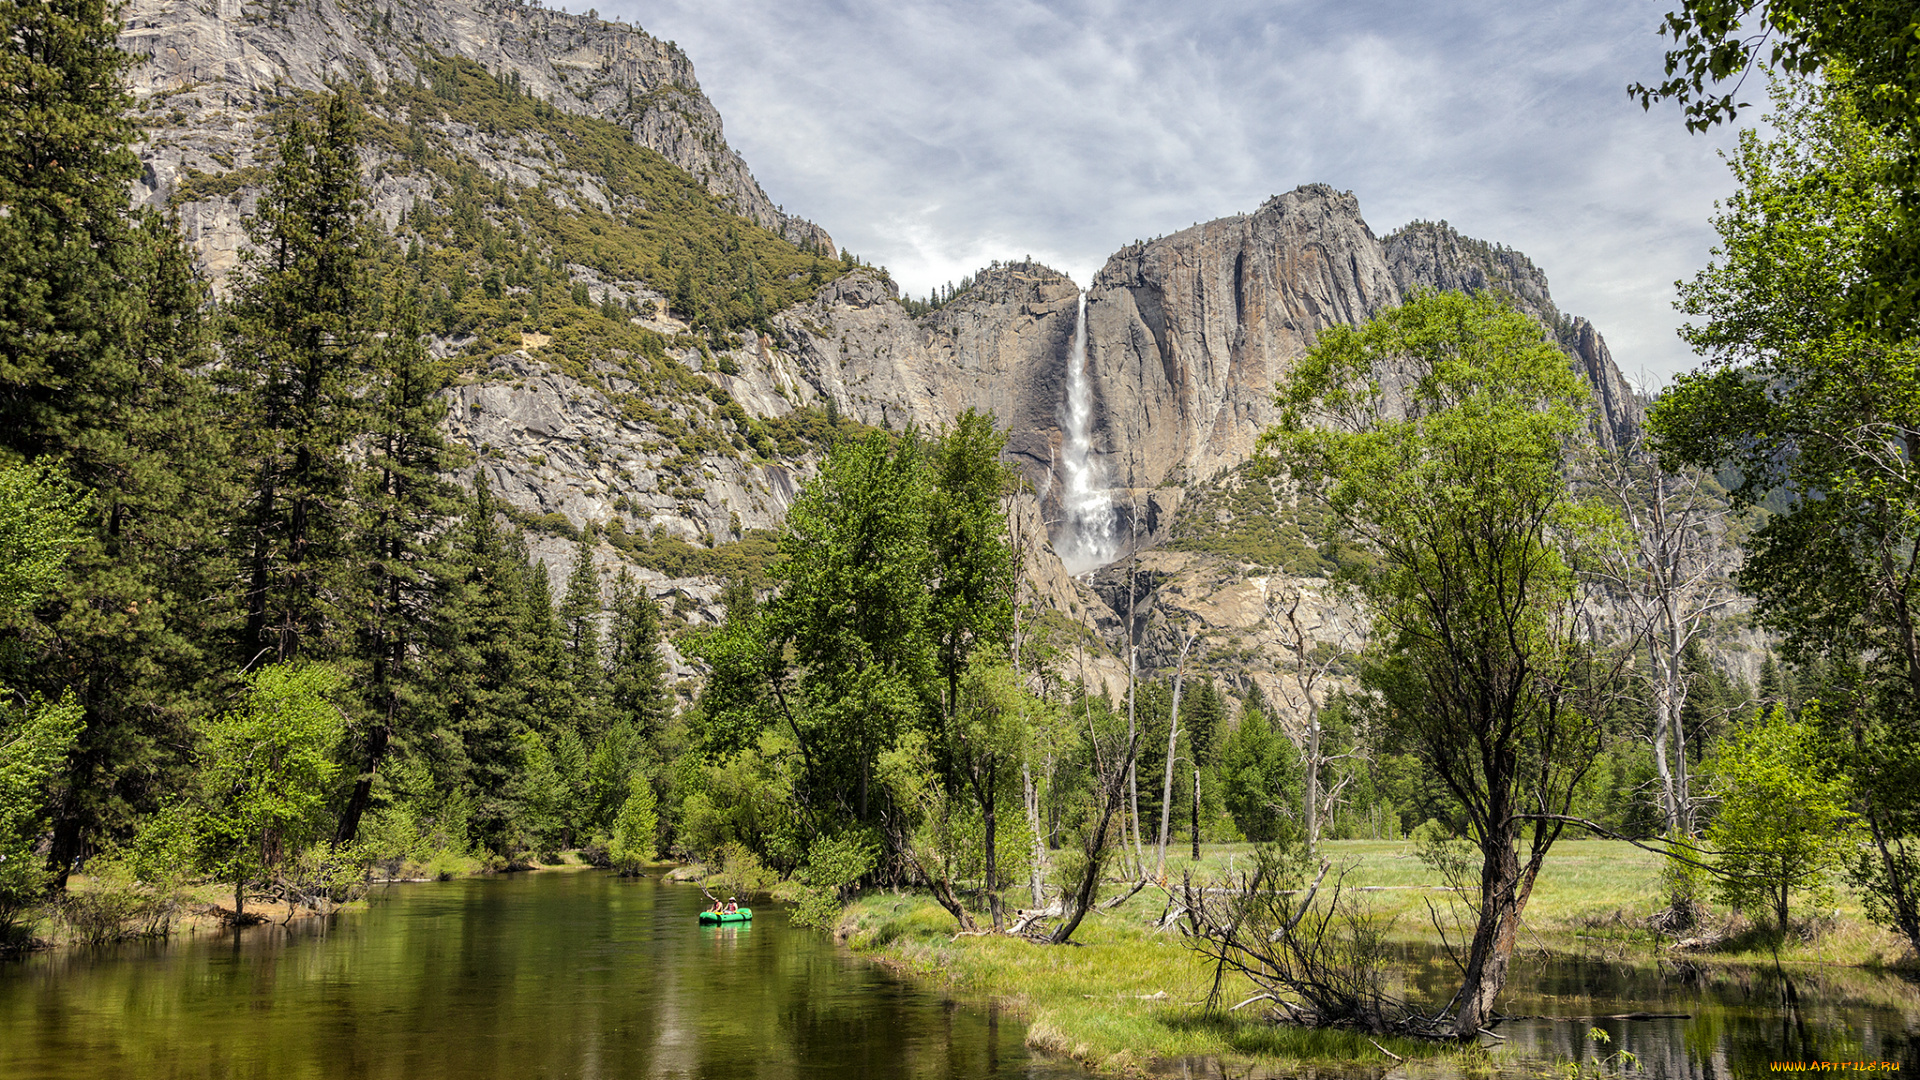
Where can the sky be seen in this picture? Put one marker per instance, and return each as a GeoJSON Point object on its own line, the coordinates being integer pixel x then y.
{"type": "Point", "coordinates": [933, 137]}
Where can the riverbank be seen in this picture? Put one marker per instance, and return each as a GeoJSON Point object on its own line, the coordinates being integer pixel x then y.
{"type": "Point", "coordinates": [1129, 994]}
{"type": "Point", "coordinates": [1120, 999]}
{"type": "Point", "coordinates": [95, 910]}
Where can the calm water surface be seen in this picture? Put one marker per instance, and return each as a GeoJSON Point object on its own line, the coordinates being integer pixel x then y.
{"type": "Point", "coordinates": [585, 975]}
{"type": "Point", "coordinates": [1739, 1020]}
{"type": "Point", "coordinates": [536, 975]}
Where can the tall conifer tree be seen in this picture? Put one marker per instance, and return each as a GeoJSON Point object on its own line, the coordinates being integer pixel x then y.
{"type": "Point", "coordinates": [636, 672]}
{"type": "Point", "coordinates": [65, 167]}
{"type": "Point", "coordinates": [580, 610]}
{"type": "Point", "coordinates": [403, 504]}
{"type": "Point", "coordinates": [295, 343]}
{"type": "Point", "coordinates": [100, 333]}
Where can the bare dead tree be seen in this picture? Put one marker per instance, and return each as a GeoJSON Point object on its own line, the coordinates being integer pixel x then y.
{"type": "Point", "coordinates": [1034, 679]}
{"type": "Point", "coordinates": [1311, 667]}
{"type": "Point", "coordinates": [1113, 765]}
{"type": "Point", "coordinates": [1674, 578]}
{"type": "Point", "coordinates": [1319, 960]}
{"type": "Point", "coordinates": [1173, 738]}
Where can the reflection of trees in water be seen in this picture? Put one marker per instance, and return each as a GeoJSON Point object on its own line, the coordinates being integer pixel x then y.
{"type": "Point", "coordinates": [1741, 1018]}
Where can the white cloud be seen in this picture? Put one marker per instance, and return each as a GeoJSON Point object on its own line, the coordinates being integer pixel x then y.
{"type": "Point", "coordinates": [932, 137]}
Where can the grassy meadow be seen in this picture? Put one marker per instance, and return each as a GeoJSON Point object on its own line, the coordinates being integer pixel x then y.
{"type": "Point", "coordinates": [1125, 994]}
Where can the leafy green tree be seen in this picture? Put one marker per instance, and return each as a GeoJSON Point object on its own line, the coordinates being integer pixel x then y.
{"type": "Point", "coordinates": [1866, 45]}
{"type": "Point", "coordinates": [1717, 40]}
{"type": "Point", "coordinates": [295, 341]}
{"type": "Point", "coordinates": [972, 604]}
{"type": "Point", "coordinates": [1815, 412]}
{"type": "Point", "coordinates": [35, 736]}
{"type": "Point", "coordinates": [269, 767]}
{"type": "Point", "coordinates": [853, 610]}
{"type": "Point", "coordinates": [40, 524]}
{"type": "Point", "coordinates": [1439, 434]}
{"type": "Point", "coordinates": [41, 512]}
{"type": "Point", "coordinates": [1784, 824]}
{"type": "Point", "coordinates": [636, 829]}
{"type": "Point", "coordinates": [986, 735]}
{"type": "Point", "coordinates": [896, 579]}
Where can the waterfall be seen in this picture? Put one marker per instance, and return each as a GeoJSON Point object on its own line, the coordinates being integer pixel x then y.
{"type": "Point", "coordinates": [1086, 541]}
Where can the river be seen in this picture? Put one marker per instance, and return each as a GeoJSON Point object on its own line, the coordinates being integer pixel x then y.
{"type": "Point", "coordinates": [583, 974]}
{"type": "Point", "coordinates": [557, 974]}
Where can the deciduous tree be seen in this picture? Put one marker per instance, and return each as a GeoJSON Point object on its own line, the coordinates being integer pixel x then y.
{"type": "Point", "coordinates": [1438, 433]}
{"type": "Point", "coordinates": [269, 766]}
{"type": "Point", "coordinates": [1783, 825]}
{"type": "Point", "coordinates": [1818, 415]}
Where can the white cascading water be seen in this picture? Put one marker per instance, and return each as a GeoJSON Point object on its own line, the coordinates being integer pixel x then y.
{"type": "Point", "coordinates": [1086, 541]}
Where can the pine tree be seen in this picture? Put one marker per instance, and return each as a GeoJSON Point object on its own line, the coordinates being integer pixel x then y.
{"type": "Point", "coordinates": [636, 673]}
{"type": "Point", "coordinates": [133, 633]}
{"type": "Point", "coordinates": [552, 704]}
{"type": "Point", "coordinates": [296, 336]}
{"type": "Point", "coordinates": [481, 675]}
{"type": "Point", "coordinates": [580, 612]}
{"type": "Point", "coordinates": [99, 335]}
{"type": "Point", "coordinates": [402, 503]}
{"type": "Point", "coordinates": [65, 168]}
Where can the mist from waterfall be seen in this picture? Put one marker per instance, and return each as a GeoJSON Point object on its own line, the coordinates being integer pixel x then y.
{"type": "Point", "coordinates": [1087, 538]}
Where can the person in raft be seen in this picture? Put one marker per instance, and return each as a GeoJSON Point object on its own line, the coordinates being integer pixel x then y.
{"type": "Point", "coordinates": [732, 906]}
{"type": "Point", "coordinates": [719, 906]}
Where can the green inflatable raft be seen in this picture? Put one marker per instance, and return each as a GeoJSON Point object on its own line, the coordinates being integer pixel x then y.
{"type": "Point", "coordinates": [709, 918]}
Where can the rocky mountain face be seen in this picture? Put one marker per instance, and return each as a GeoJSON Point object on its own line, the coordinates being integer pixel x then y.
{"type": "Point", "coordinates": [1189, 333]}
{"type": "Point", "coordinates": [1186, 334]}
{"type": "Point", "coordinates": [213, 67]}
{"type": "Point", "coordinates": [1432, 255]}
{"type": "Point", "coordinates": [1186, 337]}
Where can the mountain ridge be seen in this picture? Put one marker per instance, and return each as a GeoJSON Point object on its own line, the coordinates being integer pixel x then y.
{"type": "Point", "coordinates": [591, 394]}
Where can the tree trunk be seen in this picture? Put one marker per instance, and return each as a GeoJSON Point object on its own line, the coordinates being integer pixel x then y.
{"type": "Point", "coordinates": [1111, 790]}
{"type": "Point", "coordinates": [1196, 815]}
{"type": "Point", "coordinates": [1313, 776]}
{"type": "Point", "coordinates": [1504, 889]}
{"type": "Point", "coordinates": [377, 741]}
{"type": "Point", "coordinates": [1133, 782]}
{"type": "Point", "coordinates": [992, 876]}
{"type": "Point", "coordinates": [1036, 872]}
{"type": "Point", "coordinates": [942, 890]}
{"type": "Point", "coordinates": [1664, 722]}
{"type": "Point", "coordinates": [1173, 738]}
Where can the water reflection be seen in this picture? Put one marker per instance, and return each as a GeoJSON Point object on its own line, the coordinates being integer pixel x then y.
{"type": "Point", "coordinates": [544, 975]}
{"type": "Point", "coordinates": [1739, 1020]}
{"type": "Point", "coordinates": [586, 975]}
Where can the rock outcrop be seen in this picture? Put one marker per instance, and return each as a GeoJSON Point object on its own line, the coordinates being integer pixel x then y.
{"type": "Point", "coordinates": [214, 67]}
{"type": "Point", "coordinates": [1188, 334]}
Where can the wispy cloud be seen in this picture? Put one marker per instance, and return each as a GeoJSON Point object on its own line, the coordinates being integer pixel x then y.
{"type": "Point", "coordinates": [932, 137]}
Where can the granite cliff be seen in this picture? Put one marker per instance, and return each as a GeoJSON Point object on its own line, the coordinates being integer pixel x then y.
{"type": "Point", "coordinates": [1187, 333]}
{"type": "Point", "coordinates": [214, 67]}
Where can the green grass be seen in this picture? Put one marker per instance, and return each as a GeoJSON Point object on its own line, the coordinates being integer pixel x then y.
{"type": "Point", "coordinates": [1121, 997]}
{"type": "Point", "coordinates": [1125, 996]}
